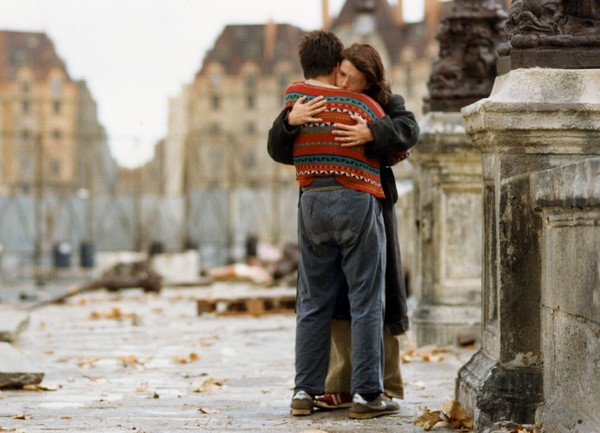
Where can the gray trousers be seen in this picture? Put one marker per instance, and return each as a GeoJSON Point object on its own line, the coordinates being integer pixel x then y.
{"type": "Point", "coordinates": [341, 234]}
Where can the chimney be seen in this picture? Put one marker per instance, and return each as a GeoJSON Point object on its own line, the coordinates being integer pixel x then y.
{"type": "Point", "coordinates": [399, 15]}
{"type": "Point", "coordinates": [326, 17]}
{"type": "Point", "coordinates": [270, 38]}
{"type": "Point", "coordinates": [432, 18]}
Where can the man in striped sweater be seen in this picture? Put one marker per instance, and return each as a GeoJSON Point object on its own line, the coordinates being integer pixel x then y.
{"type": "Point", "coordinates": [340, 235]}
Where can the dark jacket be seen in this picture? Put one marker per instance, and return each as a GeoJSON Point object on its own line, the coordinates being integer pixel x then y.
{"type": "Point", "coordinates": [397, 131]}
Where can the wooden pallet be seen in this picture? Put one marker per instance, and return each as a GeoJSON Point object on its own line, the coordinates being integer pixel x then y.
{"type": "Point", "coordinates": [252, 305]}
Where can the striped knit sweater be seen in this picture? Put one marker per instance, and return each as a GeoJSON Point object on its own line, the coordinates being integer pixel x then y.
{"type": "Point", "coordinates": [317, 154]}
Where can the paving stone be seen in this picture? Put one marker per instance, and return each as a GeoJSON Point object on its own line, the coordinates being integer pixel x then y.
{"type": "Point", "coordinates": [16, 370]}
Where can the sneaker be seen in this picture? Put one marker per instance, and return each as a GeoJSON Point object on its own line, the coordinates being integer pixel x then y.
{"type": "Point", "coordinates": [334, 400]}
{"type": "Point", "coordinates": [302, 403]}
{"type": "Point", "coordinates": [382, 405]}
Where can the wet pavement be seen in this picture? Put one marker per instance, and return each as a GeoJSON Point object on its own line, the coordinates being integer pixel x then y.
{"type": "Point", "coordinates": [138, 362]}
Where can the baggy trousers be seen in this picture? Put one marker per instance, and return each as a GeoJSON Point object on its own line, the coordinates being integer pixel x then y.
{"type": "Point", "coordinates": [341, 235]}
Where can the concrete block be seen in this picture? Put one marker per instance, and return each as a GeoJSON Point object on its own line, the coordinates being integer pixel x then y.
{"type": "Point", "coordinates": [16, 370]}
{"type": "Point", "coordinates": [12, 321]}
{"type": "Point", "coordinates": [177, 269]}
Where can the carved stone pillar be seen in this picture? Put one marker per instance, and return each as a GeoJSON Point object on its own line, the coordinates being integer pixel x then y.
{"type": "Point", "coordinates": [537, 118]}
{"type": "Point", "coordinates": [447, 179]}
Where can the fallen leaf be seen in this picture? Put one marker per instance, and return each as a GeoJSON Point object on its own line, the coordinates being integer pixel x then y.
{"type": "Point", "coordinates": [208, 411]}
{"type": "Point", "coordinates": [456, 415]}
{"type": "Point", "coordinates": [114, 313]}
{"type": "Point", "coordinates": [210, 385]}
{"type": "Point", "coordinates": [428, 419]}
{"type": "Point", "coordinates": [184, 359]}
{"type": "Point", "coordinates": [38, 387]}
{"type": "Point", "coordinates": [127, 360]}
{"type": "Point", "coordinates": [21, 416]}
{"type": "Point", "coordinates": [89, 362]}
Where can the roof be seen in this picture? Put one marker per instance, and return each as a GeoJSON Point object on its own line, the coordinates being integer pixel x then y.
{"type": "Point", "coordinates": [34, 50]}
{"type": "Point", "coordinates": [384, 18]}
{"type": "Point", "coordinates": [264, 44]}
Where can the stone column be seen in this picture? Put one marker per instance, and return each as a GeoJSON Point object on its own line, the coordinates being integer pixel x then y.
{"type": "Point", "coordinates": [569, 199]}
{"type": "Point", "coordinates": [447, 179]}
{"type": "Point", "coordinates": [538, 117]}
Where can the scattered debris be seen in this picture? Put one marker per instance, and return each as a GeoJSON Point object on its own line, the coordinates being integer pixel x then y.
{"type": "Point", "coordinates": [120, 276]}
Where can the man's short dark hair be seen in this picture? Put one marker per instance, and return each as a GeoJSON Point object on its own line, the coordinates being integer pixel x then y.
{"type": "Point", "coordinates": [320, 52]}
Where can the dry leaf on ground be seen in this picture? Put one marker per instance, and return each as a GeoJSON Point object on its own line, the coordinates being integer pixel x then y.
{"type": "Point", "coordinates": [428, 419]}
{"type": "Point", "coordinates": [208, 411]}
{"type": "Point", "coordinates": [184, 359]}
{"type": "Point", "coordinates": [456, 415]}
{"type": "Point", "coordinates": [210, 385]}
{"type": "Point", "coordinates": [88, 362]}
{"type": "Point", "coordinates": [114, 313]}
{"type": "Point", "coordinates": [426, 353]}
{"type": "Point", "coordinates": [39, 387]}
{"type": "Point", "coordinates": [127, 360]}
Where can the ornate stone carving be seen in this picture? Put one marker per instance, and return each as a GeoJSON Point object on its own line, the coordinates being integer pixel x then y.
{"type": "Point", "coordinates": [552, 33]}
{"type": "Point", "coordinates": [465, 72]}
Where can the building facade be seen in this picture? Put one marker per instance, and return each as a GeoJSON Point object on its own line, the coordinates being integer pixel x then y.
{"type": "Point", "coordinates": [50, 136]}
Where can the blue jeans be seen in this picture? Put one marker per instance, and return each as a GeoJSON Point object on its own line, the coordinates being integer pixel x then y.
{"type": "Point", "coordinates": [341, 234]}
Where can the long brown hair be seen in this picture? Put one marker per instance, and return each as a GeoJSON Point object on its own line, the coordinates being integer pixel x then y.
{"type": "Point", "coordinates": [367, 60]}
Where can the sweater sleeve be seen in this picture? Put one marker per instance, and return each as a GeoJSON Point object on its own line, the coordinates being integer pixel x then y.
{"type": "Point", "coordinates": [397, 131]}
{"type": "Point", "coordinates": [280, 143]}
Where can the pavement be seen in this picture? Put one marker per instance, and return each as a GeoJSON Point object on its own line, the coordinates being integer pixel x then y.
{"type": "Point", "coordinates": [149, 363]}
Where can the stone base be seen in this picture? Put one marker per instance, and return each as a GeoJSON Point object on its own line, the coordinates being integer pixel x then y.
{"type": "Point", "coordinates": [442, 325]}
{"type": "Point", "coordinates": [492, 392]}
{"type": "Point", "coordinates": [551, 57]}
{"type": "Point", "coordinates": [563, 417]}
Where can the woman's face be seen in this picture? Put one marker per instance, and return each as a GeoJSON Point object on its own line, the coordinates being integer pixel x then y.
{"type": "Point", "coordinates": [350, 78]}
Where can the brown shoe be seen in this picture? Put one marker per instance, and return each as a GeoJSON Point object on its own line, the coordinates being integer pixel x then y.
{"type": "Point", "coordinates": [334, 400]}
{"type": "Point", "coordinates": [302, 404]}
{"type": "Point", "coordinates": [382, 405]}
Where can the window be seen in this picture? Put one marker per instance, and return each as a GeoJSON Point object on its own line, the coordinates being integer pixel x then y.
{"type": "Point", "coordinates": [25, 106]}
{"type": "Point", "coordinates": [250, 101]}
{"type": "Point", "coordinates": [56, 87]}
{"type": "Point", "coordinates": [250, 81]}
{"type": "Point", "coordinates": [25, 86]}
{"type": "Point", "coordinates": [216, 102]}
{"type": "Point", "coordinates": [55, 168]}
{"type": "Point", "coordinates": [56, 107]}
{"type": "Point", "coordinates": [215, 80]}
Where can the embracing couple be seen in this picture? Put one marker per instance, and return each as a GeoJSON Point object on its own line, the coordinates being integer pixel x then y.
{"type": "Point", "coordinates": [342, 129]}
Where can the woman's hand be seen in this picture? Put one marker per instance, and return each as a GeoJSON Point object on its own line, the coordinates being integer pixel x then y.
{"type": "Point", "coordinates": [302, 112]}
{"type": "Point", "coordinates": [353, 135]}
